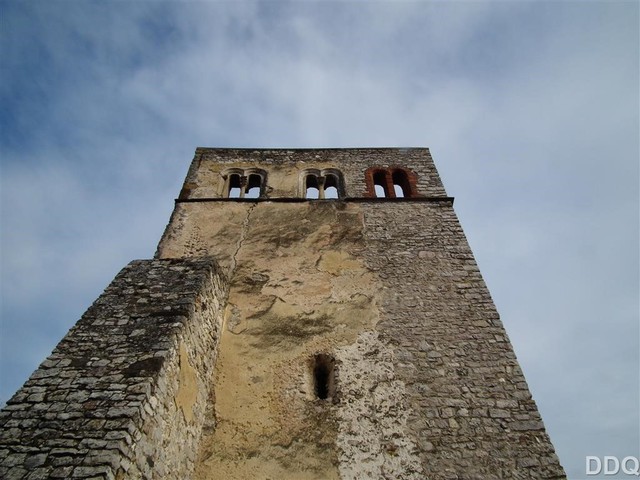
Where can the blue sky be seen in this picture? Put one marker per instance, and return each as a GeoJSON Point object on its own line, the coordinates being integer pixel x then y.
{"type": "Point", "coordinates": [530, 110]}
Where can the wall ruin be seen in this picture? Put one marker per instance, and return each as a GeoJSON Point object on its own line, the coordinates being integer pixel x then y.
{"type": "Point", "coordinates": [124, 394]}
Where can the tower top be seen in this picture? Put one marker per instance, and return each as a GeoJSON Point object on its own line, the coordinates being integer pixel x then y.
{"type": "Point", "coordinates": [288, 173]}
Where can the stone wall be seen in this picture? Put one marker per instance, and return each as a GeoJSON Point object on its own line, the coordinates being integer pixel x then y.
{"type": "Point", "coordinates": [469, 407]}
{"type": "Point", "coordinates": [124, 394]}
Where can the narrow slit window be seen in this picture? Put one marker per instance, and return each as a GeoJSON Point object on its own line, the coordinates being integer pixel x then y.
{"type": "Point", "coordinates": [312, 189]}
{"type": "Point", "coordinates": [254, 186]}
{"type": "Point", "coordinates": [234, 186]}
{"type": "Point", "coordinates": [324, 376]}
{"type": "Point", "coordinates": [379, 182]}
{"type": "Point", "coordinates": [331, 187]}
{"type": "Point", "coordinates": [401, 185]}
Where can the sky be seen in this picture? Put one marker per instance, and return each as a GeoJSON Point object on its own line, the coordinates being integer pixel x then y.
{"type": "Point", "coordinates": [530, 109]}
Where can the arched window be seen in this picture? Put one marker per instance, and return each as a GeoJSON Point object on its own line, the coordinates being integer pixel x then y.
{"type": "Point", "coordinates": [311, 187]}
{"type": "Point", "coordinates": [390, 182]}
{"type": "Point", "coordinates": [321, 184]}
{"type": "Point", "coordinates": [235, 189]}
{"type": "Point", "coordinates": [254, 186]}
{"type": "Point", "coordinates": [401, 185]}
{"type": "Point", "coordinates": [331, 186]}
{"type": "Point", "coordinates": [380, 184]}
{"type": "Point", "coordinates": [240, 183]}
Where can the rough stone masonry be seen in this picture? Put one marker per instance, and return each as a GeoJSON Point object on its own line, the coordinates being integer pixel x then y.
{"type": "Point", "coordinates": [310, 314]}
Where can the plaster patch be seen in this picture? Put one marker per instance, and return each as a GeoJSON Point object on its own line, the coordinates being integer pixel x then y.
{"type": "Point", "coordinates": [284, 310]}
{"type": "Point", "coordinates": [335, 262]}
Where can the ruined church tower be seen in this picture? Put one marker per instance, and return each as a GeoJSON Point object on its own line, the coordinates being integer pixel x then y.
{"type": "Point", "coordinates": [309, 314]}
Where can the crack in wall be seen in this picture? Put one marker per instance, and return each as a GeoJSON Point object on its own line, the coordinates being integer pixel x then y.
{"type": "Point", "coordinates": [243, 235]}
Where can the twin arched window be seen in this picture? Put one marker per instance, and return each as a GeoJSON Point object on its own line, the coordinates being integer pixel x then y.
{"type": "Point", "coordinates": [243, 183]}
{"type": "Point", "coordinates": [394, 182]}
{"type": "Point", "coordinates": [322, 184]}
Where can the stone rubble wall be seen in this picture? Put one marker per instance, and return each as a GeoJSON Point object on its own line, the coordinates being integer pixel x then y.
{"type": "Point", "coordinates": [124, 394]}
{"type": "Point", "coordinates": [470, 410]}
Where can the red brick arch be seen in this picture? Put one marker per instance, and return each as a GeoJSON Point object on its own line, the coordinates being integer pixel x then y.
{"type": "Point", "coordinates": [403, 176]}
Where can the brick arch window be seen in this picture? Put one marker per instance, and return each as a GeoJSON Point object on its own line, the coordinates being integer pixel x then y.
{"type": "Point", "coordinates": [240, 183]}
{"type": "Point", "coordinates": [391, 182]}
{"type": "Point", "coordinates": [401, 185]}
{"type": "Point", "coordinates": [324, 184]}
{"type": "Point", "coordinates": [380, 186]}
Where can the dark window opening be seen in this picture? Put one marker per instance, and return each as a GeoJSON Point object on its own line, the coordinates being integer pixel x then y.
{"type": "Point", "coordinates": [323, 376]}
{"type": "Point", "coordinates": [401, 185]}
{"type": "Point", "coordinates": [330, 186]}
{"type": "Point", "coordinates": [254, 186]}
{"type": "Point", "coordinates": [380, 184]}
{"type": "Point", "coordinates": [312, 189]}
{"type": "Point", "coordinates": [234, 186]}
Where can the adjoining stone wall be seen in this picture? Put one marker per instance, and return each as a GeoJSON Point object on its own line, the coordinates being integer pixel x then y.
{"type": "Point", "coordinates": [124, 394]}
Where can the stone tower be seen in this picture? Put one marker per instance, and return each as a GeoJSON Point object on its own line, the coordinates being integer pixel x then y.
{"type": "Point", "coordinates": [309, 314]}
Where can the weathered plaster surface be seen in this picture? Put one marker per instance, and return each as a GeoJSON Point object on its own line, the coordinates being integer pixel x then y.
{"type": "Point", "coordinates": [187, 395]}
{"type": "Point", "coordinates": [297, 289]}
